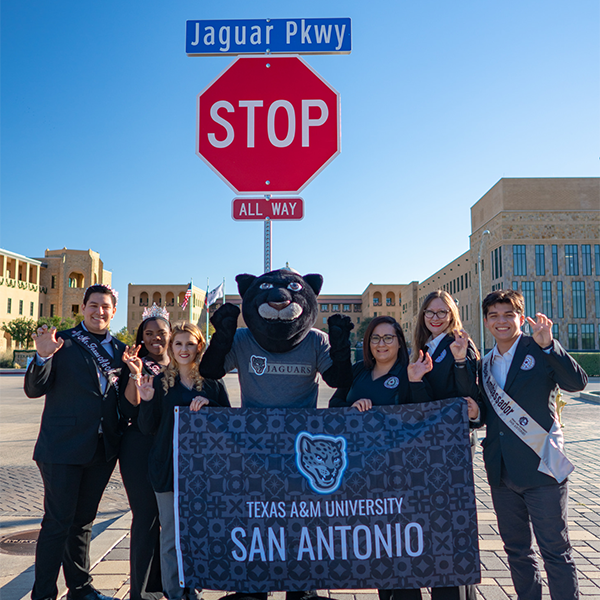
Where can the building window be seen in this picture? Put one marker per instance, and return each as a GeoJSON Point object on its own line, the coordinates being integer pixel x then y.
{"type": "Point", "coordinates": [9, 306]}
{"type": "Point", "coordinates": [53, 282]}
{"type": "Point", "coordinates": [547, 298]}
{"type": "Point", "coordinates": [52, 310]}
{"type": "Point", "coordinates": [132, 299]}
{"type": "Point", "coordinates": [579, 300]}
{"type": "Point", "coordinates": [358, 308]}
{"type": "Point", "coordinates": [554, 259]}
{"type": "Point", "coordinates": [571, 259]}
{"type": "Point", "coordinates": [528, 288]}
{"type": "Point", "coordinates": [346, 307]}
{"type": "Point", "coordinates": [555, 334]}
{"type": "Point", "coordinates": [389, 302]}
{"type": "Point", "coordinates": [597, 298]}
{"type": "Point", "coordinates": [560, 307]}
{"type": "Point", "coordinates": [572, 342]}
{"type": "Point", "coordinates": [597, 255]}
{"type": "Point", "coordinates": [41, 310]}
{"type": "Point", "coordinates": [335, 308]}
{"type": "Point", "coordinates": [31, 307]}
{"type": "Point", "coordinates": [515, 285]}
{"type": "Point", "coordinates": [324, 307]}
{"type": "Point", "coordinates": [324, 320]}
{"type": "Point", "coordinates": [462, 283]}
{"type": "Point", "coordinates": [586, 265]}
{"type": "Point", "coordinates": [20, 307]}
{"type": "Point", "coordinates": [587, 336]}
{"type": "Point", "coordinates": [357, 320]}
{"type": "Point", "coordinates": [519, 259]}
{"type": "Point", "coordinates": [540, 266]}
{"type": "Point", "coordinates": [376, 302]}
{"type": "Point", "coordinates": [74, 309]}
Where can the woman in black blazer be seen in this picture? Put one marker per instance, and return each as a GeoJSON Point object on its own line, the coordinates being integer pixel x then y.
{"type": "Point", "coordinates": [454, 357]}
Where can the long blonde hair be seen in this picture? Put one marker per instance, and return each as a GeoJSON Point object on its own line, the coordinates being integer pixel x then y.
{"type": "Point", "coordinates": [172, 370]}
{"type": "Point", "coordinates": [421, 334]}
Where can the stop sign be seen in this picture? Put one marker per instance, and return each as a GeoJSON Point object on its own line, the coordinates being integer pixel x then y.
{"type": "Point", "coordinates": [268, 124]}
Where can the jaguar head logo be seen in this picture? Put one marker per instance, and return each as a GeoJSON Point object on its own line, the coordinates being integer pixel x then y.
{"type": "Point", "coordinates": [322, 460]}
{"type": "Point", "coordinates": [258, 364]}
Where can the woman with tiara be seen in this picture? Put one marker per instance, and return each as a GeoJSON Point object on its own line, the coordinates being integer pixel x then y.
{"type": "Point", "coordinates": [148, 357]}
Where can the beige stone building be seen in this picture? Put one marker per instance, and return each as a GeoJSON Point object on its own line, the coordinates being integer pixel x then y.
{"type": "Point", "coordinates": [65, 275]}
{"type": "Point", "coordinates": [169, 296]}
{"type": "Point", "coordinates": [20, 291]}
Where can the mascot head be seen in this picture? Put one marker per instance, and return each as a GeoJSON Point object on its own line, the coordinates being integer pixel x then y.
{"type": "Point", "coordinates": [279, 307]}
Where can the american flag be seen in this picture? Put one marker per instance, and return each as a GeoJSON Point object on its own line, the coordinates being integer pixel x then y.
{"type": "Point", "coordinates": [186, 298]}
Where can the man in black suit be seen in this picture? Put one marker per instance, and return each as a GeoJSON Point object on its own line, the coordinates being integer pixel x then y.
{"type": "Point", "coordinates": [524, 450]}
{"type": "Point", "coordinates": [78, 371]}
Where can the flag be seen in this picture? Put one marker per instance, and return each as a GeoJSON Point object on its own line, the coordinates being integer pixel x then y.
{"type": "Point", "coordinates": [186, 298]}
{"type": "Point", "coordinates": [212, 297]}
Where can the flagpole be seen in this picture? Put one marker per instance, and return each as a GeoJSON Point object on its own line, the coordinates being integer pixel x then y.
{"type": "Point", "coordinates": [207, 307]}
{"type": "Point", "coordinates": [192, 301]}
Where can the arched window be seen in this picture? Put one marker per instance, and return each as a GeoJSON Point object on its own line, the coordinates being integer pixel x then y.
{"type": "Point", "coordinates": [170, 299]}
{"type": "Point", "coordinates": [144, 299]}
{"type": "Point", "coordinates": [156, 299]}
{"type": "Point", "coordinates": [390, 299]}
{"type": "Point", "coordinates": [377, 299]}
{"type": "Point", "coordinates": [75, 280]}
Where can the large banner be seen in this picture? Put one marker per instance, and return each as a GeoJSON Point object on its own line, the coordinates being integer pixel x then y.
{"type": "Point", "coordinates": [326, 499]}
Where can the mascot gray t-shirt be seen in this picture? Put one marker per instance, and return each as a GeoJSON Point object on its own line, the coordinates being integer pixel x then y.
{"type": "Point", "coordinates": [291, 376]}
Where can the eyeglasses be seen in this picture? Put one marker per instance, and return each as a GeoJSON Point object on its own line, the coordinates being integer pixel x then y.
{"type": "Point", "coordinates": [387, 339]}
{"type": "Point", "coordinates": [440, 314]}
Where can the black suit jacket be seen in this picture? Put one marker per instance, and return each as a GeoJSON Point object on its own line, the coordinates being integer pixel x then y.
{"type": "Point", "coordinates": [75, 405]}
{"type": "Point", "coordinates": [445, 380]}
{"type": "Point", "coordinates": [534, 389]}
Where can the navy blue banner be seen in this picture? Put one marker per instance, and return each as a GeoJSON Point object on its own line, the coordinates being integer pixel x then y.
{"type": "Point", "coordinates": [277, 36]}
{"type": "Point", "coordinates": [326, 499]}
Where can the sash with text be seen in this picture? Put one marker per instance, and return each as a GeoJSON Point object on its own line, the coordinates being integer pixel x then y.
{"type": "Point", "coordinates": [325, 499]}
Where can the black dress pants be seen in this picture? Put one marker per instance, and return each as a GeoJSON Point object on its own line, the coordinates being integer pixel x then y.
{"type": "Point", "coordinates": [144, 552]}
{"type": "Point", "coordinates": [72, 494]}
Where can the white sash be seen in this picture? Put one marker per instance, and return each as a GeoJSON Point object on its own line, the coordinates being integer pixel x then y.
{"type": "Point", "coordinates": [549, 446]}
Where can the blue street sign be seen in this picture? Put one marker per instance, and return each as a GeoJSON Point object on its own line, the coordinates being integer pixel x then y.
{"type": "Point", "coordinates": [276, 36]}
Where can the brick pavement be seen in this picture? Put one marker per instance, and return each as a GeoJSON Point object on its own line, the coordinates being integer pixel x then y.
{"type": "Point", "coordinates": [21, 487]}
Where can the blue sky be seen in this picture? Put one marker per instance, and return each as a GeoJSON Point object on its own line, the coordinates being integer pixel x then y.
{"type": "Point", "coordinates": [439, 101]}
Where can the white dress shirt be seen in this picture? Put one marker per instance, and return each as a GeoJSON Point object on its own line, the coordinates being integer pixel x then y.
{"type": "Point", "coordinates": [501, 363]}
{"type": "Point", "coordinates": [432, 344]}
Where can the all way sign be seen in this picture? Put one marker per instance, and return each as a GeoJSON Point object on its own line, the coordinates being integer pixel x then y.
{"type": "Point", "coordinates": [259, 209]}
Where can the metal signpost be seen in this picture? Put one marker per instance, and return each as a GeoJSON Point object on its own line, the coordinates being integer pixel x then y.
{"type": "Point", "coordinates": [268, 124]}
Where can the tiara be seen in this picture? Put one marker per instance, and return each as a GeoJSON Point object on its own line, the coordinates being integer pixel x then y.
{"type": "Point", "coordinates": [155, 312]}
{"type": "Point", "coordinates": [106, 289]}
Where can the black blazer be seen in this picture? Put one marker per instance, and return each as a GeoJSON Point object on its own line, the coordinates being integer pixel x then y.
{"type": "Point", "coordinates": [445, 379]}
{"type": "Point", "coordinates": [534, 389]}
{"type": "Point", "coordinates": [75, 406]}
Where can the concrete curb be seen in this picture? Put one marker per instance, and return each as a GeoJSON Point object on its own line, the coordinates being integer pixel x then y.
{"type": "Point", "coordinates": [591, 397]}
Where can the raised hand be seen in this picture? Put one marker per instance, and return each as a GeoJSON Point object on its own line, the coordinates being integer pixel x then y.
{"type": "Point", "coordinates": [225, 319]}
{"type": "Point", "coordinates": [363, 404]}
{"type": "Point", "coordinates": [198, 402]}
{"type": "Point", "coordinates": [145, 387]}
{"type": "Point", "coordinates": [541, 330]}
{"type": "Point", "coordinates": [132, 360]}
{"type": "Point", "coordinates": [418, 369]}
{"type": "Point", "coordinates": [45, 341]}
{"type": "Point", "coordinates": [460, 344]}
{"type": "Point", "coordinates": [340, 327]}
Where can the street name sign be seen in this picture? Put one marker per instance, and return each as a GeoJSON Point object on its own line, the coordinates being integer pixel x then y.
{"type": "Point", "coordinates": [268, 124]}
{"type": "Point", "coordinates": [274, 36]}
{"type": "Point", "coordinates": [259, 209]}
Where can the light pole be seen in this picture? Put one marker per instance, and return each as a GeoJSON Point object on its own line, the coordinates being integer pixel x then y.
{"type": "Point", "coordinates": [481, 333]}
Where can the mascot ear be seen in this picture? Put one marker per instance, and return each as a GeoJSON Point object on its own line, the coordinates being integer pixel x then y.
{"type": "Point", "coordinates": [315, 281]}
{"type": "Point", "coordinates": [244, 281]}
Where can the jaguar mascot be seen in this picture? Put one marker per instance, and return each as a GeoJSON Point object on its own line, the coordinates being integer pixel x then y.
{"type": "Point", "coordinates": [279, 355]}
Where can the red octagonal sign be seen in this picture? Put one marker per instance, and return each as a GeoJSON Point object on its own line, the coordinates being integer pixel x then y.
{"type": "Point", "coordinates": [268, 125]}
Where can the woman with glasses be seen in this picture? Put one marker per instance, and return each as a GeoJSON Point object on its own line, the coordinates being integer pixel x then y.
{"type": "Point", "coordinates": [385, 375]}
{"type": "Point", "coordinates": [439, 334]}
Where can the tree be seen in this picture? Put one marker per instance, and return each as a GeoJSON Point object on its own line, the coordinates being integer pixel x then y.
{"type": "Point", "coordinates": [124, 336]}
{"type": "Point", "coordinates": [21, 330]}
{"type": "Point", "coordinates": [360, 332]}
{"type": "Point", "coordinates": [58, 322]}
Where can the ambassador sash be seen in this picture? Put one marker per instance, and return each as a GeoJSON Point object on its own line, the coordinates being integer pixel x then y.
{"type": "Point", "coordinates": [549, 446]}
{"type": "Point", "coordinates": [102, 359]}
{"type": "Point", "coordinates": [152, 367]}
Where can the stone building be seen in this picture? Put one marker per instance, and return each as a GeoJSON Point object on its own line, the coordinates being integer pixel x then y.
{"type": "Point", "coordinates": [169, 296]}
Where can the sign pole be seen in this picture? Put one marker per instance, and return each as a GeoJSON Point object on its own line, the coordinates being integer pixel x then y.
{"type": "Point", "coordinates": [206, 303]}
{"type": "Point", "coordinates": [267, 245]}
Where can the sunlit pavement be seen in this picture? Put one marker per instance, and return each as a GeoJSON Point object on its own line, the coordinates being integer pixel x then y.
{"type": "Point", "coordinates": [21, 505]}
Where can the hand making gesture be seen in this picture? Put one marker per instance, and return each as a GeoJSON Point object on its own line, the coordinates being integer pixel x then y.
{"type": "Point", "coordinates": [460, 344]}
{"type": "Point", "coordinates": [45, 341]}
{"type": "Point", "coordinates": [145, 387]}
{"type": "Point", "coordinates": [132, 360]}
{"type": "Point", "coordinates": [541, 330]}
{"type": "Point", "coordinates": [420, 367]}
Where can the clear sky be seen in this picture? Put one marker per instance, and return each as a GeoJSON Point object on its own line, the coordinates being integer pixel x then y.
{"type": "Point", "coordinates": [439, 101]}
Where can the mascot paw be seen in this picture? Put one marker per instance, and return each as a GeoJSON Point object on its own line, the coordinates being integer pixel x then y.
{"type": "Point", "coordinates": [340, 327]}
{"type": "Point", "coordinates": [225, 319]}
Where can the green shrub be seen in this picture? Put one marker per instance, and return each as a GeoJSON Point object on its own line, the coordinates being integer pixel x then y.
{"type": "Point", "coordinates": [6, 361]}
{"type": "Point", "coordinates": [589, 361]}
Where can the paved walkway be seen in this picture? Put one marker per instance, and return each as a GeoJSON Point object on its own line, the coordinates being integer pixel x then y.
{"type": "Point", "coordinates": [21, 508]}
